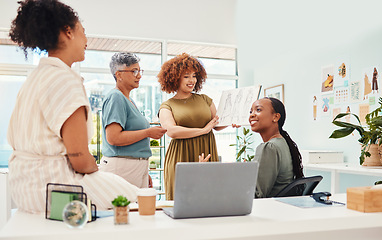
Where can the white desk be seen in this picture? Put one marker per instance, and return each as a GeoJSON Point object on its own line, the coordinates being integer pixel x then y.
{"type": "Point", "coordinates": [336, 169]}
{"type": "Point", "coordinates": [5, 197]}
{"type": "Point", "coordinates": [270, 219]}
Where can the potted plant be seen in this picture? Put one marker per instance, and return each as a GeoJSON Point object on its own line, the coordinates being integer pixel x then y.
{"type": "Point", "coordinates": [152, 165]}
{"type": "Point", "coordinates": [243, 147]}
{"type": "Point", "coordinates": [370, 135]}
{"type": "Point", "coordinates": [154, 143]}
{"type": "Point", "coordinates": [121, 210]}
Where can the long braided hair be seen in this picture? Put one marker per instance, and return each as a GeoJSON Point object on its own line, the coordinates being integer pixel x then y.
{"type": "Point", "coordinates": [278, 107]}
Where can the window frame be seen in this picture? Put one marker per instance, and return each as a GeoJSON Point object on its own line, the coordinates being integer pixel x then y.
{"type": "Point", "coordinates": [25, 69]}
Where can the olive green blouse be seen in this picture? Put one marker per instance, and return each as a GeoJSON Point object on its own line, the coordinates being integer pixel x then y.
{"type": "Point", "coordinates": [191, 112]}
{"type": "Point", "coordinates": [275, 167]}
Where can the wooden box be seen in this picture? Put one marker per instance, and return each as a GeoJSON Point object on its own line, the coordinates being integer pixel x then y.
{"type": "Point", "coordinates": [364, 199]}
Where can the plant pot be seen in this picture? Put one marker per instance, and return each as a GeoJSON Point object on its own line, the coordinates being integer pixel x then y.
{"type": "Point", "coordinates": [121, 215]}
{"type": "Point", "coordinates": [375, 158]}
{"type": "Point", "coordinates": [380, 153]}
{"type": "Point", "coordinates": [152, 166]}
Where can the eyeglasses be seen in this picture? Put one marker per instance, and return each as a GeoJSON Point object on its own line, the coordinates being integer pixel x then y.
{"type": "Point", "coordinates": [135, 72]}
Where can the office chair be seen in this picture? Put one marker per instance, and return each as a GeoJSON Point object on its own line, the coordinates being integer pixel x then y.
{"type": "Point", "coordinates": [300, 187]}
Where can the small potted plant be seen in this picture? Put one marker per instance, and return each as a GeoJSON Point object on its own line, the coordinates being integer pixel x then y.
{"type": "Point", "coordinates": [370, 135]}
{"type": "Point", "coordinates": [121, 210]}
{"type": "Point", "coordinates": [152, 165]}
{"type": "Point", "coordinates": [243, 147]}
{"type": "Point", "coordinates": [154, 143]}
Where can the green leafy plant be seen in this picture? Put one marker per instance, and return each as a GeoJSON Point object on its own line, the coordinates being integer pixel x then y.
{"type": "Point", "coordinates": [378, 182]}
{"type": "Point", "coordinates": [152, 165]}
{"type": "Point", "coordinates": [243, 147]}
{"type": "Point", "coordinates": [154, 143]}
{"type": "Point", "coordinates": [120, 201]}
{"type": "Point", "coordinates": [370, 134]}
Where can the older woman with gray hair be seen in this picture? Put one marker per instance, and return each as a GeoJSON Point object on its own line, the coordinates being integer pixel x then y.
{"type": "Point", "coordinates": [126, 132]}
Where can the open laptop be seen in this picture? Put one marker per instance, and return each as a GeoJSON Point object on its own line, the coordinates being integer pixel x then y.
{"type": "Point", "coordinates": [213, 189]}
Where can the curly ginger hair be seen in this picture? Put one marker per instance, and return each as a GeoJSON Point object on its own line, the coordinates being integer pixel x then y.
{"type": "Point", "coordinates": [173, 70]}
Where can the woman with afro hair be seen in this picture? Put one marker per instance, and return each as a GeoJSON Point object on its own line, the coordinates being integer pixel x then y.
{"type": "Point", "coordinates": [51, 124]}
{"type": "Point", "coordinates": [188, 117]}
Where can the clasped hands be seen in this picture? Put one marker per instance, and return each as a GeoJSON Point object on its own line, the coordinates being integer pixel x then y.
{"type": "Point", "coordinates": [205, 159]}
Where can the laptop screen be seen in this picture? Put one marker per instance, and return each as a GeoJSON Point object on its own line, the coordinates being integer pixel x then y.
{"type": "Point", "coordinates": [214, 189]}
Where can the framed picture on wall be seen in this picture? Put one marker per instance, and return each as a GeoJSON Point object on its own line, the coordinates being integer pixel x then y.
{"type": "Point", "coordinates": [275, 92]}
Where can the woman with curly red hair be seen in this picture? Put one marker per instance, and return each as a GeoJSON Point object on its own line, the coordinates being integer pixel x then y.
{"type": "Point", "coordinates": [188, 117]}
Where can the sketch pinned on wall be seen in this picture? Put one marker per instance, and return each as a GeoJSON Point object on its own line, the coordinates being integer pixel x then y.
{"type": "Point", "coordinates": [374, 81]}
{"type": "Point", "coordinates": [355, 92]}
{"type": "Point", "coordinates": [341, 95]}
{"type": "Point", "coordinates": [325, 105]}
{"type": "Point", "coordinates": [366, 86]}
{"type": "Point", "coordinates": [314, 108]}
{"type": "Point", "coordinates": [347, 118]}
{"type": "Point", "coordinates": [341, 79]}
{"type": "Point", "coordinates": [371, 81]}
{"type": "Point", "coordinates": [364, 109]}
{"type": "Point", "coordinates": [372, 101]}
{"type": "Point", "coordinates": [336, 111]}
{"type": "Point", "coordinates": [342, 70]}
{"type": "Point", "coordinates": [327, 79]}
{"type": "Point", "coordinates": [235, 104]}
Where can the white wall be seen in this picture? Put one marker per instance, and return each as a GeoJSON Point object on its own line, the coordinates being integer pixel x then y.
{"type": "Point", "coordinates": [210, 21]}
{"type": "Point", "coordinates": [289, 41]}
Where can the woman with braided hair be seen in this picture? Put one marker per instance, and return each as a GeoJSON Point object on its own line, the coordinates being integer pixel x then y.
{"type": "Point", "coordinates": [278, 155]}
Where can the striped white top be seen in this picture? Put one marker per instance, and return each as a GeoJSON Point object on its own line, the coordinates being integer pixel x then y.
{"type": "Point", "coordinates": [49, 96]}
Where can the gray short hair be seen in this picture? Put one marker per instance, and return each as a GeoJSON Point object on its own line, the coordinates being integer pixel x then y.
{"type": "Point", "coordinates": [121, 59]}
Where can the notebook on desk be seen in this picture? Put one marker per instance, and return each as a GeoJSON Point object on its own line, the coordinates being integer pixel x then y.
{"type": "Point", "coordinates": [213, 189]}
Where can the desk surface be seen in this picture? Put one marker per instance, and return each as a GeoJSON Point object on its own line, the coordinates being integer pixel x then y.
{"type": "Point", "coordinates": [346, 168]}
{"type": "Point", "coordinates": [270, 219]}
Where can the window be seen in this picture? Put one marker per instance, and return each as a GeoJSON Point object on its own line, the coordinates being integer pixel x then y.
{"type": "Point", "coordinates": [9, 87]}
{"type": "Point", "coordinates": [219, 61]}
{"type": "Point", "coordinates": [101, 59]}
{"type": "Point", "coordinates": [11, 54]}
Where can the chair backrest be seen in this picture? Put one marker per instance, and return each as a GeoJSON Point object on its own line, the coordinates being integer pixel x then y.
{"type": "Point", "coordinates": [300, 187]}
